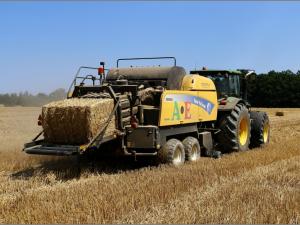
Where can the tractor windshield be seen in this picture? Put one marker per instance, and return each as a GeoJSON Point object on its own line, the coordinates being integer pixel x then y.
{"type": "Point", "coordinates": [227, 85]}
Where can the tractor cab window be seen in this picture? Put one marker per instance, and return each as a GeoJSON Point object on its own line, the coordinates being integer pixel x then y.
{"type": "Point", "coordinates": [234, 86]}
{"type": "Point", "coordinates": [221, 83]}
{"type": "Point", "coordinates": [226, 85]}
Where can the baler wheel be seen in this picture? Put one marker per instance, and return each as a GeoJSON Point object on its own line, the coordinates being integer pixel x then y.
{"type": "Point", "coordinates": [172, 153]}
{"type": "Point", "coordinates": [192, 149]}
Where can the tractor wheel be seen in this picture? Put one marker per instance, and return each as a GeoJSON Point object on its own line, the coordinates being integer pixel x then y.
{"type": "Point", "coordinates": [172, 153]}
{"type": "Point", "coordinates": [192, 149]}
{"type": "Point", "coordinates": [260, 129]}
{"type": "Point", "coordinates": [235, 130]}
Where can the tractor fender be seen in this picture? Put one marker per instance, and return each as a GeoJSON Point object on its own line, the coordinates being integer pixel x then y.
{"type": "Point", "coordinates": [231, 102]}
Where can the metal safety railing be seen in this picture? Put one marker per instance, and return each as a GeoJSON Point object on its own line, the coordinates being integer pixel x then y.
{"type": "Point", "coordinates": [147, 58]}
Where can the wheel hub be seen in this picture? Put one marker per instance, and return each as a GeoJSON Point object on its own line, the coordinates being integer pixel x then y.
{"type": "Point", "coordinates": [243, 132]}
{"type": "Point", "coordinates": [266, 132]}
{"type": "Point", "coordinates": [177, 156]}
{"type": "Point", "coordinates": [194, 154]}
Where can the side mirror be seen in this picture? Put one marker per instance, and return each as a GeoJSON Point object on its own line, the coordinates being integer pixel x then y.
{"type": "Point", "coordinates": [250, 76]}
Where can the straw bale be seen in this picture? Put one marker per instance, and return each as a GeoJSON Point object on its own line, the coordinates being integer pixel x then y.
{"type": "Point", "coordinates": [279, 113]}
{"type": "Point", "coordinates": [76, 121]}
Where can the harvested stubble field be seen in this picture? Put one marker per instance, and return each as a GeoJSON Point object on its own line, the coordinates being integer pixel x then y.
{"type": "Point", "coordinates": [258, 186]}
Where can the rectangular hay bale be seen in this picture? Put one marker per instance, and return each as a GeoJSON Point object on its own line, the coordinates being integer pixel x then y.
{"type": "Point", "coordinates": [76, 121]}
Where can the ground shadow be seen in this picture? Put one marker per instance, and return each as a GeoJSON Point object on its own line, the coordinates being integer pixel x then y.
{"type": "Point", "coordinates": [67, 168]}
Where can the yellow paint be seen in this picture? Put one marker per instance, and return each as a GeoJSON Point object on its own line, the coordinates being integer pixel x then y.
{"type": "Point", "coordinates": [189, 106]}
{"type": "Point", "coordinates": [197, 83]}
{"type": "Point", "coordinates": [83, 147]}
{"type": "Point", "coordinates": [70, 94]}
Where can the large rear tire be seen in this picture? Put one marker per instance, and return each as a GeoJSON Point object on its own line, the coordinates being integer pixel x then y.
{"type": "Point", "coordinates": [192, 149]}
{"type": "Point", "coordinates": [235, 130]}
{"type": "Point", "coordinates": [260, 129]}
{"type": "Point", "coordinates": [172, 153]}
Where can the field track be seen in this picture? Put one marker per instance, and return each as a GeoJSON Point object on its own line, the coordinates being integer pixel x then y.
{"type": "Point", "coordinates": [257, 186]}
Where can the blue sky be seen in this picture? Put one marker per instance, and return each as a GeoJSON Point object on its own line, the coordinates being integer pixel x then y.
{"type": "Point", "coordinates": [43, 44]}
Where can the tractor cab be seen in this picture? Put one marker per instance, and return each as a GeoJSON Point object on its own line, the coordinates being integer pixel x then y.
{"type": "Point", "coordinates": [229, 83]}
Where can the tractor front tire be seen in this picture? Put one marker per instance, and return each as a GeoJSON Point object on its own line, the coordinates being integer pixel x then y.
{"type": "Point", "coordinates": [260, 129]}
{"type": "Point", "coordinates": [172, 153]}
{"type": "Point", "coordinates": [192, 149]}
{"type": "Point", "coordinates": [235, 130]}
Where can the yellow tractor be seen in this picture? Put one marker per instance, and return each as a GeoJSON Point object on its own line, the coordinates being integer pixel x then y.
{"type": "Point", "coordinates": [169, 114]}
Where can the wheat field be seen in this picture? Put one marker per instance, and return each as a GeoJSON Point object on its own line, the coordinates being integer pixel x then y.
{"type": "Point", "coordinates": [257, 186]}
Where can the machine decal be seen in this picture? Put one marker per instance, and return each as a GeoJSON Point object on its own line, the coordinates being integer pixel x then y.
{"type": "Point", "coordinates": [188, 100]}
{"type": "Point", "coordinates": [181, 110]}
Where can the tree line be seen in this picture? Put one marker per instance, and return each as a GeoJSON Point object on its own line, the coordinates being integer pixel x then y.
{"type": "Point", "coordinates": [275, 89]}
{"type": "Point", "coordinates": [27, 99]}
